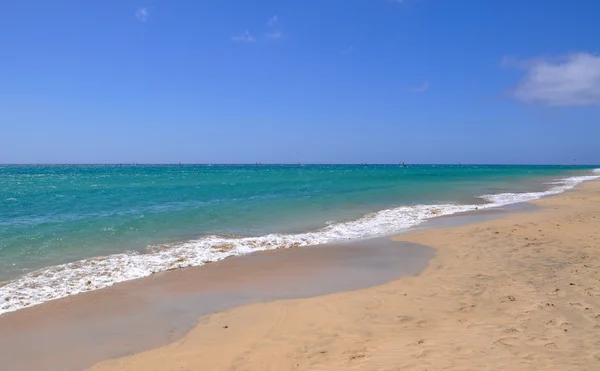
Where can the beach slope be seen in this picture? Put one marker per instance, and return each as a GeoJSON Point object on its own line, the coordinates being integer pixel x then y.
{"type": "Point", "coordinates": [520, 292]}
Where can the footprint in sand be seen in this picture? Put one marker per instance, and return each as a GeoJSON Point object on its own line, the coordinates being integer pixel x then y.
{"type": "Point", "coordinates": [508, 341]}
{"type": "Point", "coordinates": [566, 325]}
{"type": "Point", "coordinates": [582, 307]}
{"type": "Point", "coordinates": [507, 298]}
{"type": "Point", "coordinates": [467, 308]}
{"type": "Point", "coordinates": [404, 319]}
{"type": "Point", "coordinates": [356, 354]}
{"type": "Point", "coordinates": [425, 324]}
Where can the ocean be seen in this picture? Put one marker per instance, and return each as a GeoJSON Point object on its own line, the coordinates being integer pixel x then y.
{"type": "Point", "coordinates": [66, 229]}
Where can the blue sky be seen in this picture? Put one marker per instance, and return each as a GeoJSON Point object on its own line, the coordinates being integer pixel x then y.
{"type": "Point", "coordinates": [327, 81]}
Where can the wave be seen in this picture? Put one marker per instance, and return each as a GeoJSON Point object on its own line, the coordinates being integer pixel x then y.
{"type": "Point", "coordinates": [96, 273]}
{"type": "Point", "coordinates": [560, 186]}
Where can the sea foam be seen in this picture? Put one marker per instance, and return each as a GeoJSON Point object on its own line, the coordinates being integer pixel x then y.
{"type": "Point", "coordinates": [96, 273]}
{"type": "Point", "coordinates": [559, 186]}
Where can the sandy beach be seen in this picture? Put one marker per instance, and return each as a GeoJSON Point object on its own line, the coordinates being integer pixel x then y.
{"type": "Point", "coordinates": [520, 292]}
{"type": "Point", "coordinates": [143, 314]}
{"type": "Point", "coordinates": [301, 185]}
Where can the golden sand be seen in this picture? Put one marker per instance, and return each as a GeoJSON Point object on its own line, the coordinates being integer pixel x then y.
{"type": "Point", "coordinates": [518, 293]}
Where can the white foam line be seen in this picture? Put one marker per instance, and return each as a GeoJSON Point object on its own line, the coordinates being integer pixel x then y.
{"type": "Point", "coordinates": [96, 273]}
{"type": "Point", "coordinates": [561, 185]}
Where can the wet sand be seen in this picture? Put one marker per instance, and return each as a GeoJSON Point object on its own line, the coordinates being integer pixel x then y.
{"type": "Point", "coordinates": [76, 332]}
{"type": "Point", "coordinates": [154, 311]}
{"type": "Point", "coordinates": [517, 293]}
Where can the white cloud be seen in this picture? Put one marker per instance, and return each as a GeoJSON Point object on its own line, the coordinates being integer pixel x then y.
{"type": "Point", "coordinates": [245, 37]}
{"type": "Point", "coordinates": [397, 1]}
{"type": "Point", "coordinates": [422, 88]}
{"type": "Point", "coordinates": [275, 35]}
{"type": "Point", "coordinates": [573, 80]}
{"type": "Point", "coordinates": [142, 14]}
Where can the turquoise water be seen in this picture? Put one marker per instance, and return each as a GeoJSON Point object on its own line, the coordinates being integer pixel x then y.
{"type": "Point", "coordinates": [51, 215]}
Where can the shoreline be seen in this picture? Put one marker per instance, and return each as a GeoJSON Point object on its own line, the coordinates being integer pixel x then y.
{"type": "Point", "coordinates": [515, 292]}
{"type": "Point", "coordinates": [142, 314]}
{"type": "Point", "coordinates": [96, 273]}
{"type": "Point", "coordinates": [153, 311]}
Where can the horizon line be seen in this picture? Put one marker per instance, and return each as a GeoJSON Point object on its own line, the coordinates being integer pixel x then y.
{"type": "Point", "coordinates": [280, 163]}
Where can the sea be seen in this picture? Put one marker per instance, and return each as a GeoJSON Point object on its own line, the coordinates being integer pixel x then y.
{"type": "Point", "coordinates": [67, 229]}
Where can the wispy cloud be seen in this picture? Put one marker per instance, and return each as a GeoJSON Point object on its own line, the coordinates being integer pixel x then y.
{"type": "Point", "coordinates": [397, 1]}
{"type": "Point", "coordinates": [245, 37]}
{"type": "Point", "coordinates": [142, 14]}
{"type": "Point", "coordinates": [274, 32]}
{"type": "Point", "coordinates": [422, 88]}
{"type": "Point", "coordinates": [275, 35]}
{"type": "Point", "coordinates": [571, 80]}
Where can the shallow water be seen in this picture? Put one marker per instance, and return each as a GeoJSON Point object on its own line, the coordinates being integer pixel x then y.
{"type": "Point", "coordinates": [70, 229]}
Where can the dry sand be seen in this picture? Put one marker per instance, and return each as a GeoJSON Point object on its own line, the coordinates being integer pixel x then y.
{"type": "Point", "coordinates": [519, 293]}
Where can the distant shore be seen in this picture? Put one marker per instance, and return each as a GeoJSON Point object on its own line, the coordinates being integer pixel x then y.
{"type": "Point", "coordinates": [520, 292]}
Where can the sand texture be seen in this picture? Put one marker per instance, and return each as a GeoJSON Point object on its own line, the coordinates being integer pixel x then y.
{"type": "Point", "coordinates": [517, 293]}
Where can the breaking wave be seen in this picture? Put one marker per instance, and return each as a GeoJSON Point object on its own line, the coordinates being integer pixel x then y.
{"type": "Point", "coordinates": [90, 274]}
